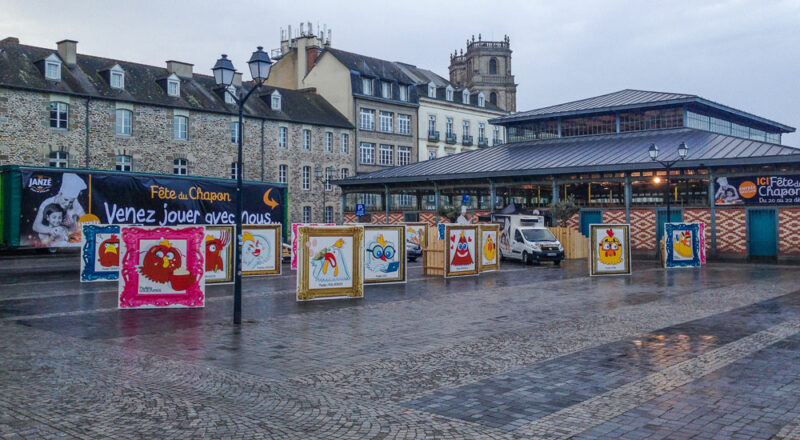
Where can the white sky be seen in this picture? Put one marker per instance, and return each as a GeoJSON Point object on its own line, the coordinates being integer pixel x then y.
{"type": "Point", "coordinates": [741, 53]}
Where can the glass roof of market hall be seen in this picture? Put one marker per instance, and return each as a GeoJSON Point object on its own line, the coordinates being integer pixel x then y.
{"type": "Point", "coordinates": [608, 133]}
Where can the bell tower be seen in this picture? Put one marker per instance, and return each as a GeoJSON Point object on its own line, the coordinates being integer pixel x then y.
{"type": "Point", "coordinates": [486, 67]}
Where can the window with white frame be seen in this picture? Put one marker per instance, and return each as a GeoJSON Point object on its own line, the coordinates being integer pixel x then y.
{"type": "Point", "coordinates": [431, 124]}
{"type": "Point", "coordinates": [117, 77]}
{"type": "Point", "coordinates": [345, 143]}
{"type": "Point", "coordinates": [328, 141]}
{"type": "Point", "coordinates": [466, 129]}
{"type": "Point", "coordinates": [180, 167]}
{"type": "Point", "coordinates": [282, 137]}
{"type": "Point", "coordinates": [276, 101]}
{"type": "Point", "coordinates": [386, 153]}
{"type": "Point", "coordinates": [328, 177]}
{"type": "Point", "coordinates": [59, 115]}
{"type": "Point", "coordinates": [307, 178]}
{"type": "Point", "coordinates": [124, 162]}
{"type": "Point", "coordinates": [230, 95]}
{"type": "Point", "coordinates": [403, 92]}
{"type": "Point", "coordinates": [403, 155]}
{"type": "Point", "coordinates": [306, 139]}
{"type": "Point", "coordinates": [481, 100]}
{"type": "Point", "coordinates": [235, 131]}
{"type": "Point", "coordinates": [366, 86]}
{"type": "Point", "coordinates": [123, 122]}
{"type": "Point", "coordinates": [496, 134]}
{"type": "Point", "coordinates": [431, 90]}
{"type": "Point", "coordinates": [235, 170]}
{"type": "Point", "coordinates": [449, 126]}
{"type": "Point", "coordinates": [179, 127]}
{"type": "Point", "coordinates": [306, 214]}
{"type": "Point", "coordinates": [52, 68]}
{"type": "Point", "coordinates": [283, 176]}
{"type": "Point", "coordinates": [386, 121]}
{"type": "Point", "coordinates": [367, 151]}
{"type": "Point", "coordinates": [404, 124]}
{"type": "Point", "coordinates": [405, 200]}
{"type": "Point", "coordinates": [367, 119]}
{"type": "Point", "coordinates": [174, 86]}
{"type": "Point", "coordinates": [449, 93]}
{"type": "Point", "coordinates": [329, 214]}
{"type": "Point", "coordinates": [58, 159]}
{"type": "Point", "coordinates": [465, 96]}
{"type": "Point", "coordinates": [345, 173]}
{"type": "Point", "coordinates": [386, 89]}
{"type": "Point", "coordinates": [481, 130]}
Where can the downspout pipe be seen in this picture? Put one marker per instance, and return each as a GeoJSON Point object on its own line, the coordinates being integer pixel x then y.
{"type": "Point", "coordinates": [86, 128]}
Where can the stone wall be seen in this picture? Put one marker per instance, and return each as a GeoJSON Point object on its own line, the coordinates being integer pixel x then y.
{"type": "Point", "coordinates": [27, 139]}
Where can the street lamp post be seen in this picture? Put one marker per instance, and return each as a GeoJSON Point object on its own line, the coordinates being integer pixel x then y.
{"type": "Point", "coordinates": [325, 180]}
{"type": "Point", "coordinates": [683, 150]}
{"type": "Point", "coordinates": [260, 65]}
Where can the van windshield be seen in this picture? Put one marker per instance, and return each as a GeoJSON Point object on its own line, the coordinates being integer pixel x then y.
{"type": "Point", "coordinates": [538, 235]}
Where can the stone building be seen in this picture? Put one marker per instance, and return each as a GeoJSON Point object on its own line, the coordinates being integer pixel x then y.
{"type": "Point", "coordinates": [486, 67]}
{"type": "Point", "coordinates": [65, 109]}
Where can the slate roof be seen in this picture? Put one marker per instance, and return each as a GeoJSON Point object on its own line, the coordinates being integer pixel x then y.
{"type": "Point", "coordinates": [143, 84]}
{"type": "Point", "coordinates": [601, 153]}
{"type": "Point", "coordinates": [628, 99]}
{"type": "Point", "coordinates": [371, 67]}
{"type": "Point", "coordinates": [422, 77]}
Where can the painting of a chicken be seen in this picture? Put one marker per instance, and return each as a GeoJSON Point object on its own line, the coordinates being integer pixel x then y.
{"type": "Point", "coordinates": [214, 247]}
{"type": "Point", "coordinates": [108, 253]}
{"type": "Point", "coordinates": [160, 262]}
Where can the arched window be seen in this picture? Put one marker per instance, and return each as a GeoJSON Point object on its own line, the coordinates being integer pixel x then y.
{"type": "Point", "coordinates": [493, 98]}
{"type": "Point", "coordinates": [492, 66]}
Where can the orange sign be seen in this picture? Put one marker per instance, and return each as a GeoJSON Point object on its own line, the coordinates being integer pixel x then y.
{"type": "Point", "coordinates": [747, 189]}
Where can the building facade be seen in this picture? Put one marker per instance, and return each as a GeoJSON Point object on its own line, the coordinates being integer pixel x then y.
{"type": "Point", "coordinates": [737, 178]}
{"type": "Point", "coordinates": [64, 109]}
{"type": "Point", "coordinates": [452, 120]}
{"type": "Point", "coordinates": [486, 67]}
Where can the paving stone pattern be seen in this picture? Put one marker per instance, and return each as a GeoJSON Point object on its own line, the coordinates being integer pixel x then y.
{"type": "Point", "coordinates": [539, 352]}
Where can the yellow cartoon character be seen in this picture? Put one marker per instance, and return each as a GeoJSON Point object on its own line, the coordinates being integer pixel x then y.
{"type": "Point", "coordinates": [489, 249]}
{"type": "Point", "coordinates": [682, 244]}
{"type": "Point", "coordinates": [610, 249]}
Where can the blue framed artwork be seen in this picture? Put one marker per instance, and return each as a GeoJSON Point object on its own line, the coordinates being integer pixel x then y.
{"type": "Point", "coordinates": [682, 243]}
{"type": "Point", "coordinates": [100, 246]}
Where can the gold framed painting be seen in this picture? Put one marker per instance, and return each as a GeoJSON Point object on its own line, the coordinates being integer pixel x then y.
{"type": "Point", "coordinates": [417, 232]}
{"type": "Point", "coordinates": [330, 262]}
{"type": "Point", "coordinates": [489, 259]}
{"type": "Point", "coordinates": [261, 249]}
{"type": "Point", "coordinates": [220, 245]}
{"type": "Point", "coordinates": [609, 249]}
{"type": "Point", "coordinates": [460, 256]}
{"type": "Point", "coordinates": [384, 254]}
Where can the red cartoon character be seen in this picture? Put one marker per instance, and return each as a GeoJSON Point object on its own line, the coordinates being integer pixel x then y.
{"type": "Point", "coordinates": [162, 264]}
{"type": "Point", "coordinates": [109, 252]}
{"type": "Point", "coordinates": [214, 246]}
{"type": "Point", "coordinates": [461, 256]}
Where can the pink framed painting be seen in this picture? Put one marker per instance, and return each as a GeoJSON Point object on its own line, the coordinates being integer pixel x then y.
{"type": "Point", "coordinates": [162, 267]}
{"type": "Point", "coordinates": [702, 243]}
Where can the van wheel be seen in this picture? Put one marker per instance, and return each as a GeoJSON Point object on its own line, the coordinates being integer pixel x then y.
{"type": "Point", "coordinates": [525, 258]}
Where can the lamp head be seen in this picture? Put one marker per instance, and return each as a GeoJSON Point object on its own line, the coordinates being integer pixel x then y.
{"type": "Point", "coordinates": [653, 151]}
{"type": "Point", "coordinates": [318, 172]}
{"type": "Point", "coordinates": [683, 150]}
{"type": "Point", "coordinates": [223, 71]}
{"type": "Point", "coordinates": [260, 65]}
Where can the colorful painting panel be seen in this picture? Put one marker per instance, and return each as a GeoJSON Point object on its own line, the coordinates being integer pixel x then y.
{"type": "Point", "coordinates": [610, 249]}
{"type": "Point", "coordinates": [294, 239]}
{"type": "Point", "coordinates": [385, 254]}
{"type": "Point", "coordinates": [261, 249]}
{"type": "Point", "coordinates": [460, 255]}
{"type": "Point", "coordinates": [100, 251]}
{"type": "Point", "coordinates": [417, 233]}
{"type": "Point", "coordinates": [489, 260]}
{"type": "Point", "coordinates": [682, 244]}
{"type": "Point", "coordinates": [330, 262]}
{"type": "Point", "coordinates": [162, 267]}
{"type": "Point", "coordinates": [219, 244]}
{"type": "Point", "coordinates": [702, 227]}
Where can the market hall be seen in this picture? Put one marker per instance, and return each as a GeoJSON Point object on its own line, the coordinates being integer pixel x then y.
{"type": "Point", "coordinates": [734, 174]}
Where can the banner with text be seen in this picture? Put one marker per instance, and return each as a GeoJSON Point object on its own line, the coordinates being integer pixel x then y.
{"type": "Point", "coordinates": [762, 190]}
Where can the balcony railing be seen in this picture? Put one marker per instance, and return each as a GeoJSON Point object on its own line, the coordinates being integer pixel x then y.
{"type": "Point", "coordinates": [451, 138]}
{"type": "Point", "coordinates": [433, 135]}
{"type": "Point", "coordinates": [483, 142]}
{"type": "Point", "coordinates": [497, 141]}
{"type": "Point", "coordinates": [466, 140]}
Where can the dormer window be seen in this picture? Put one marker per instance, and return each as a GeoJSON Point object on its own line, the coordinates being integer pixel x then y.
{"type": "Point", "coordinates": [465, 96]}
{"type": "Point", "coordinates": [403, 93]}
{"type": "Point", "coordinates": [431, 90]}
{"type": "Point", "coordinates": [276, 101]}
{"type": "Point", "coordinates": [229, 95]}
{"type": "Point", "coordinates": [117, 77]}
{"type": "Point", "coordinates": [481, 100]}
{"type": "Point", "coordinates": [366, 86]}
{"type": "Point", "coordinates": [386, 89]}
{"type": "Point", "coordinates": [52, 68]}
{"type": "Point", "coordinates": [174, 86]}
{"type": "Point", "coordinates": [449, 93]}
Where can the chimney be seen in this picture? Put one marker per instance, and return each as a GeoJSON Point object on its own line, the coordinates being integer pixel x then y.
{"type": "Point", "coordinates": [312, 52]}
{"type": "Point", "coordinates": [68, 51]}
{"type": "Point", "coordinates": [183, 70]}
{"type": "Point", "coordinates": [237, 79]}
{"type": "Point", "coordinates": [10, 40]}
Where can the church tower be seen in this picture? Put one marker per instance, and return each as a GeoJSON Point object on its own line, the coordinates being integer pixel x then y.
{"type": "Point", "coordinates": [486, 67]}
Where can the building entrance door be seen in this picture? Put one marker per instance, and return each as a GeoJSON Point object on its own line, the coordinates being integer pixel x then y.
{"type": "Point", "coordinates": [762, 234]}
{"type": "Point", "coordinates": [676, 216]}
{"type": "Point", "coordinates": [590, 218]}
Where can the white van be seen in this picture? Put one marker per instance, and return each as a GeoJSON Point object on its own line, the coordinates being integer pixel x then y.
{"type": "Point", "coordinates": [525, 238]}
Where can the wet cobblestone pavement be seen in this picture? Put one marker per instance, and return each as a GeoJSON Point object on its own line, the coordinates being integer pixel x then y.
{"type": "Point", "coordinates": [527, 352]}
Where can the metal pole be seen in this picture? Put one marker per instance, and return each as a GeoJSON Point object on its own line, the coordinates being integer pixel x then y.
{"type": "Point", "coordinates": [237, 281]}
{"type": "Point", "coordinates": [628, 196]}
{"type": "Point", "coordinates": [386, 205]}
{"type": "Point", "coordinates": [324, 195]}
{"type": "Point", "coordinates": [668, 193]}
